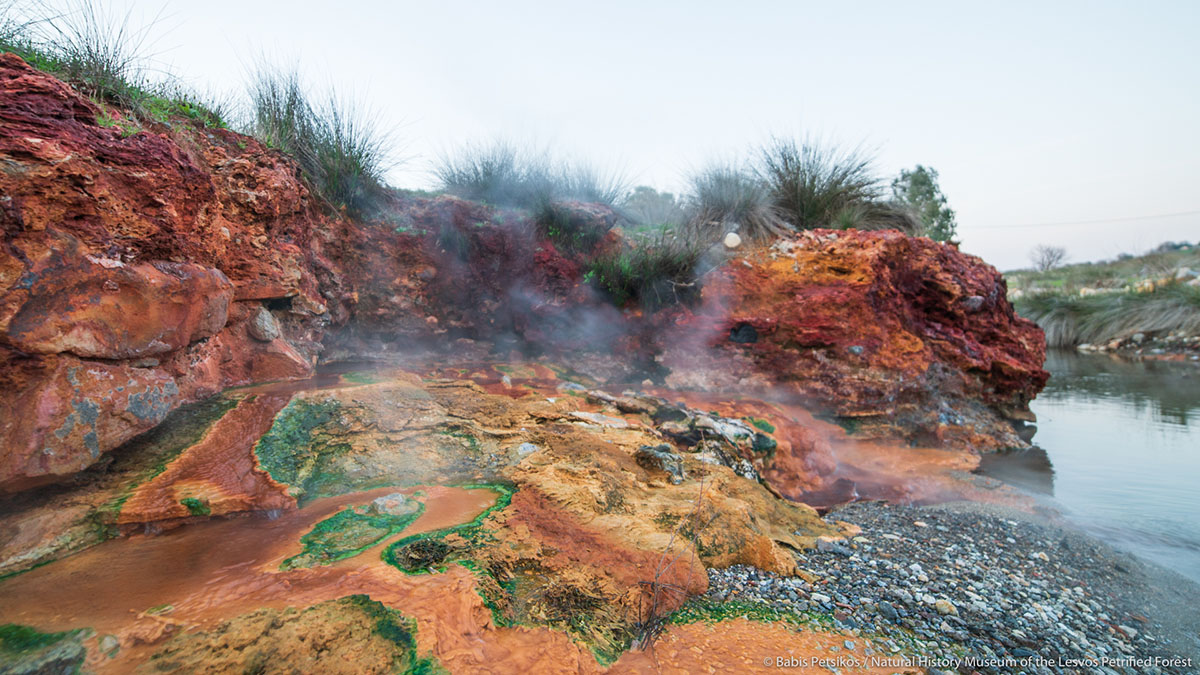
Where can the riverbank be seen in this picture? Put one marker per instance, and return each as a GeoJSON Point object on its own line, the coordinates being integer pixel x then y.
{"type": "Point", "coordinates": [977, 584]}
{"type": "Point", "coordinates": [1143, 306]}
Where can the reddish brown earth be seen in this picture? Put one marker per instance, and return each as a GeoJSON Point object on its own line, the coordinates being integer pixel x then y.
{"type": "Point", "coordinates": [219, 471]}
{"type": "Point", "coordinates": [909, 337]}
{"type": "Point", "coordinates": [743, 646]}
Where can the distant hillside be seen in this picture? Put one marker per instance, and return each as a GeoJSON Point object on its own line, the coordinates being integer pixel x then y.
{"type": "Point", "coordinates": [1148, 303]}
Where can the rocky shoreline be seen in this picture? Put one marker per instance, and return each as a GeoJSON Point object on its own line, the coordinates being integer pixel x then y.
{"type": "Point", "coordinates": [979, 588]}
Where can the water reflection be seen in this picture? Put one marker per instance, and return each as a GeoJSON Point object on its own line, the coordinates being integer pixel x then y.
{"type": "Point", "coordinates": [1124, 440]}
{"type": "Point", "coordinates": [1029, 469]}
{"type": "Point", "coordinates": [1168, 390]}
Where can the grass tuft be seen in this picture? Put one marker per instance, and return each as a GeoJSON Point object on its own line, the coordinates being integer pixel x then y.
{"type": "Point", "coordinates": [1070, 320]}
{"type": "Point", "coordinates": [725, 198]}
{"type": "Point", "coordinates": [654, 275]}
{"type": "Point", "coordinates": [877, 216]}
{"type": "Point", "coordinates": [104, 56]}
{"type": "Point", "coordinates": [342, 151]}
{"type": "Point", "coordinates": [503, 173]}
{"type": "Point", "coordinates": [812, 184]}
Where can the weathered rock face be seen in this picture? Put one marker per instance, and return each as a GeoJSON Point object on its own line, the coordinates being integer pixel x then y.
{"type": "Point", "coordinates": [122, 263]}
{"type": "Point", "coordinates": [59, 413]}
{"type": "Point", "coordinates": [67, 301]}
{"type": "Point", "coordinates": [899, 332]}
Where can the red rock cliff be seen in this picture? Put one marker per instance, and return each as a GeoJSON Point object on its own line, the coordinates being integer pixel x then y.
{"type": "Point", "coordinates": [142, 271]}
{"type": "Point", "coordinates": [899, 333]}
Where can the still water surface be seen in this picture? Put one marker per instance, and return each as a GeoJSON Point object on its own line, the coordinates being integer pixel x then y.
{"type": "Point", "coordinates": [1123, 438]}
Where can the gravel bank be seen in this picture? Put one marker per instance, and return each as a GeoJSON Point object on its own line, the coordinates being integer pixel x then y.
{"type": "Point", "coordinates": [983, 585]}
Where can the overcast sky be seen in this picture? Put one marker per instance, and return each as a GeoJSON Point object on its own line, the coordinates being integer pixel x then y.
{"type": "Point", "coordinates": [1038, 115]}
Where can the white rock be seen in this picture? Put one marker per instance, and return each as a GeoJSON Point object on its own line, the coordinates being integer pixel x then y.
{"type": "Point", "coordinates": [263, 327]}
{"type": "Point", "coordinates": [732, 240]}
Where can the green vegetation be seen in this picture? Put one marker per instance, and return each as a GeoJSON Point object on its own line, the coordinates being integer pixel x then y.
{"type": "Point", "coordinates": [792, 185]}
{"type": "Point", "coordinates": [1125, 271]}
{"type": "Point", "coordinates": [761, 425]}
{"type": "Point", "coordinates": [919, 191]}
{"type": "Point", "coordinates": [464, 437]}
{"type": "Point", "coordinates": [363, 377]}
{"type": "Point", "coordinates": [154, 450]}
{"type": "Point", "coordinates": [419, 553]}
{"type": "Point", "coordinates": [763, 444]}
{"type": "Point", "coordinates": [814, 184]}
{"type": "Point", "coordinates": [196, 507]}
{"type": "Point", "coordinates": [1097, 302]}
{"type": "Point", "coordinates": [346, 534]}
{"type": "Point", "coordinates": [103, 56]}
{"type": "Point", "coordinates": [505, 174]}
{"type": "Point", "coordinates": [570, 233]}
{"type": "Point", "coordinates": [725, 198]}
{"type": "Point", "coordinates": [645, 206]}
{"type": "Point", "coordinates": [342, 151]}
{"type": "Point", "coordinates": [39, 652]}
{"type": "Point", "coordinates": [292, 451]}
{"type": "Point", "coordinates": [18, 639]}
{"type": "Point", "coordinates": [1070, 320]}
{"type": "Point", "coordinates": [653, 275]}
{"type": "Point", "coordinates": [703, 609]}
{"type": "Point", "coordinates": [398, 629]}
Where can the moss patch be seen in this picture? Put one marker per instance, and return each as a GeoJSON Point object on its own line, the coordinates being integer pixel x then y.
{"type": "Point", "coordinates": [362, 377]}
{"type": "Point", "coordinates": [196, 507]}
{"type": "Point", "coordinates": [29, 650]}
{"type": "Point", "coordinates": [149, 454]}
{"type": "Point", "coordinates": [761, 425]}
{"type": "Point", "coordinates": [702, 609]}
{"type": "Point", "coordinates": [357, 629]}
{"type": "Point", "coordinates": [346, 534]}
{"type": "Point", "coordinates": [293, 452]}
{"type": "Point", "coordinates": [406, 553]}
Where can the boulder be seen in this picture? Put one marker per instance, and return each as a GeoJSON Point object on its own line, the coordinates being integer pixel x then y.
{"type": "Point", "coordinates": [395, 504]}
{"type": "Point", "coordinates": [68, 301]}
{"type": "Point", "coordinates": [58, 414]}
{"type": "Point", "coordinates": [263, 326]}
{"type": "Point", "coordinates": [661, 458]}
{"type": "Point", "coordinates": [901, 331]}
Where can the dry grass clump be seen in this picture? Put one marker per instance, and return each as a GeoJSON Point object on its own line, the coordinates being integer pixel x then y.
{"type": "Point", "coordinates": [727, 198]}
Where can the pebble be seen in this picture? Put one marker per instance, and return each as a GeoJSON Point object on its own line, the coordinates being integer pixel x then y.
{"type": "Point", "coordinates": [950, 590]}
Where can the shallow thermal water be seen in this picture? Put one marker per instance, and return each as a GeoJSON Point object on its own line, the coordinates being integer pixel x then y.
{"type": "Point", "coordinates": [209, 570]}
{"type": "Point", "coordinates": [1124, 441]}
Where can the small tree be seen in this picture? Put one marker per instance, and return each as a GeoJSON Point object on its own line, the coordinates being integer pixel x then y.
{"type": "Point", "coordinates": [918, 189]}
{"type": "Point", "coordinates": [1046, 258]}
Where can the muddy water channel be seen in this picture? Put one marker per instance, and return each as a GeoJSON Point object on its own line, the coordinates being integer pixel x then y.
{"type": "Point", "coordinates": [143, 586]}
{"type": "Point", "coordinates": [1123, 440]}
